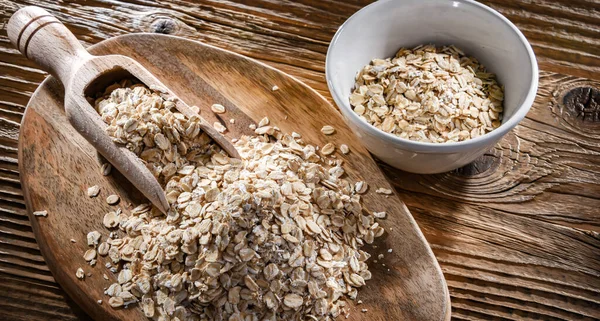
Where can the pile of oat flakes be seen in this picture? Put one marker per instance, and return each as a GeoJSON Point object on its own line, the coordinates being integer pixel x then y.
{"type": "Point", "coordinates": [276, 235]}
{"type": "Point", "coordinates": [429, 94]}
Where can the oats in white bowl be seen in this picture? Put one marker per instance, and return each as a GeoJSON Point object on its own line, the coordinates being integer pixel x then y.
{"type": "Point", "coordinates": [429, 94]}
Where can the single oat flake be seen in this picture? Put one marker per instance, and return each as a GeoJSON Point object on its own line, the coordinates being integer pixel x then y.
{"type": "Point", "coordinates": [112, 199]}
{"type": "Point", "coordinates": [217, 108]}
{"type": "Point", "coordinates": [385, 191]}
{"type": "Point", "coordinates": [328, 130]}
{"type": "Point", "coordinates": [43, 213]}
{"type": "Point", "coordinates": [344, 149]}
{"type": "Point", "coordinates": [89, 255]}
{"type": "Point", "coordinates": [219, 127]}
{"type": "Point", "coordinates": [93, 191]}
{"type": "Point", "coordinates": [80, 274]}
{"type": "Point", "coordinates": [328, 149]}
{"type": "Point", "coordinates": [263, 122]}
{"type": "Point", "coordinates": [93, 238]}
{"type": "Point", "coordinates": [105, 169]}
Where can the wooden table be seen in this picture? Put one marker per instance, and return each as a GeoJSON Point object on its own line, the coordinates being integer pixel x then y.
{"type": "Point", "coordinates": [516, 232]}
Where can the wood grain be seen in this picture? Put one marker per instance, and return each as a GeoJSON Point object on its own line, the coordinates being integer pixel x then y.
{"type": "Point", "coordinates": [520, 243]}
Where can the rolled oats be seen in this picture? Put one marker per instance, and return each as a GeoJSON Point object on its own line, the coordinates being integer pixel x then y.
{"type": "Point", "coordinates": [43, 213]}
{"type": "Point", "coordinates": [105, 169]}
{"type": "Point", "coordinates": [93, 191]}
{"type": "Point", "coordinates": [112, 199]}
{"type": "Point", "coordinates": [89, 255]}
{"type": "Point", "coordinates": [219, 127]}
{"type": "Point", "coordinates": [110, 220]}
{"type": "Point", "coordinates": [385, 191]}
{"type": "Point", "coordinates": [263, 122]}
{"type": "Point", "coordinates": [361, 187]}
{"type": "Point", "coordinates": [217, 108]}
{"type": "Point", "coordinates": [80, 274]}
{"type": "Point", "coordinates": [328, 130]}
{"type": "Point", "coordinates": [116, 302]}
{"type": "Point", "coordinates": [379, 214]}
{"type": "Point", "coordinates": [429, 94]}
{"type": "Point", "coordinates": [103, 249]}
{"type": "Point", "coordinates": [328, 149]}
{"type": "Point", "coordinates": [275, 235]}
{"type": "Point", "coordinates": [344, 149]}
{"type": "Point", "coordinates": [93, 238]}
{"type": "Point", "coordinates": [293, 301]}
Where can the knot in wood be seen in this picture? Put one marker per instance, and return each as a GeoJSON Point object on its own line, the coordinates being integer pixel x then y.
{"type": "Point", "coordinates": [165, 26]}
{"type": "Point", "coordinates": [164, 23]}
{"type": "Point", "coordinates": [583, 103]}
{"type": "Point", "coordinates": [479, 166]}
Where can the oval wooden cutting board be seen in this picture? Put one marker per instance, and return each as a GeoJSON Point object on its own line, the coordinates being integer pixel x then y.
{"type": "Point", "coordinates": [57, 166]}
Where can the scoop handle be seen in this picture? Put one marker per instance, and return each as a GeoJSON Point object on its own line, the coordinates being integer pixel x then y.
{"type": "Point", "coordinates": [42, 38]}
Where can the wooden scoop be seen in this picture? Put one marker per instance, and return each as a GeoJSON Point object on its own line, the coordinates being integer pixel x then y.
{"type": "Point", "coordinates": [45, 40]}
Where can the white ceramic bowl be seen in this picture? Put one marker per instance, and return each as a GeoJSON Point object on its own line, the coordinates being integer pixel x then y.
{"type": "Point", "coordinates": [381, 28]}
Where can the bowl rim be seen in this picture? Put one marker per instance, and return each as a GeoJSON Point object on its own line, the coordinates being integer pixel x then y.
{"type": "Point", "coordinates": [448, 147]}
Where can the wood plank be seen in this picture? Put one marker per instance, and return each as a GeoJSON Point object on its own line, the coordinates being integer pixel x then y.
{"type": "Point", "coordinates": [544, 175]}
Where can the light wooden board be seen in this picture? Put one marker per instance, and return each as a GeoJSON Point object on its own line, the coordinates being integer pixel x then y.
{"type": "Point", "coordinates": [58, 166]}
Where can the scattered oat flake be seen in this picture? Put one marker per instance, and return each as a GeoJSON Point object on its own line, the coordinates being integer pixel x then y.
{"type": "Point", "coordinates": [275, 88]}
{"type": "Point", "coordinates": [93, 238]}
{"type": "Point", "coordinates": [110, 220]}
{"type": "Point", "coordinates": [105, 169]}
{"type": "Point", "coordinates": [327, 130]}
{"type": "Point", "coordinates": [263, 122]}
{"type": "Point", "coordinates": [328, 149]}
{"type": "Point", "coordinates": [89, 255]}
{"type": "Point", "coordinates": [379, 214]}
{"type": "Point", "coordinates": [93, 191]}
{"type": "Point", "coordinates": [217, 108]}
{"type": "Point", "coordinates": [43, 213]}
{"type": "Point", "coordinates": [361, 187]}
{"type": "Point", "coordinates": [112, 199]}
{"type": "Point", "coordinates": [385, 191]}
{"type": "Point", "coordinates": [232, 121]}
{"type": "Point", "coordinates": [344, 149]}
{"type": "Point", "coordinates": [73, 241]}
{"type": "Point", "coordinates": [364, 310]}
{"type": "Point", "coordinates": [219, 127]}
{"type": "Point", "coordinates": [80, 274]}
{"type": "Point", "coordinates": [99, 301]}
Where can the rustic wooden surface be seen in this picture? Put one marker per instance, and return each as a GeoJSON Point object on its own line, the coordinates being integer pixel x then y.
{"type": "Point", "coordinates": [516, 233]}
